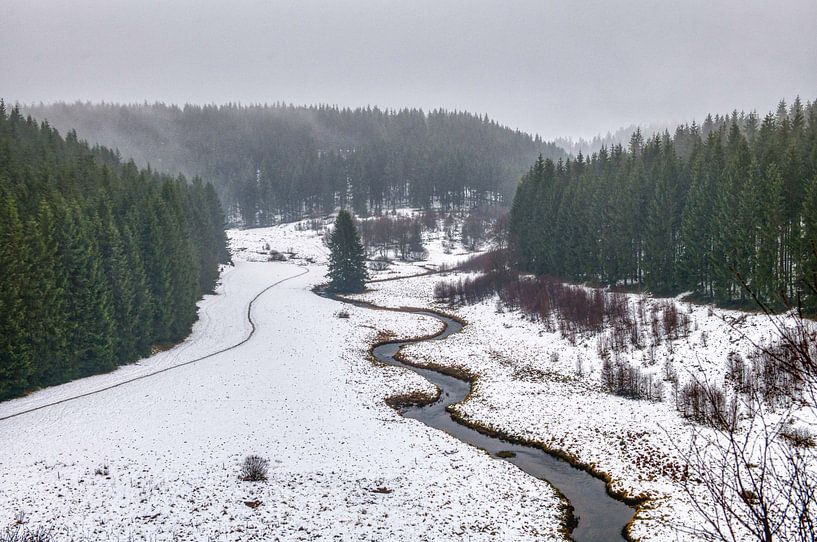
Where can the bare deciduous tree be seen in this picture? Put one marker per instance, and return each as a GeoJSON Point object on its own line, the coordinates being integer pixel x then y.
{"type": "Point", "coordinates": [752, 480]}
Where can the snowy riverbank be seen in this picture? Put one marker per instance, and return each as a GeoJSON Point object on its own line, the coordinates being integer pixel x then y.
{"type": "Point", "coordinates": [536, 386]}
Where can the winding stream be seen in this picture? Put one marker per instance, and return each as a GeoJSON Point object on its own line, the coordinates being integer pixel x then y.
{"type": "Point", "coordinates": [600, 517]}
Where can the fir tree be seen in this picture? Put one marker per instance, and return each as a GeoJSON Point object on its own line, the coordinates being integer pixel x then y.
{"type": "Point", "coordinates": [347, 260]}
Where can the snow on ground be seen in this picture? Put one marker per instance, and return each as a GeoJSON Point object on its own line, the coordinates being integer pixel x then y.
{"type": "Point", "coordinates": [529, 386]}
{"type": "Point", "coordinates": [303, 393]}
{"type": "Point", "coordinates": [297, 241]}
{"type": "Point", "coordinates": [300, 392]}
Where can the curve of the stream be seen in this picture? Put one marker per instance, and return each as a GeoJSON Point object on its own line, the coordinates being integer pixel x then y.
{"type": "Point", "coordinates": [598, 516]}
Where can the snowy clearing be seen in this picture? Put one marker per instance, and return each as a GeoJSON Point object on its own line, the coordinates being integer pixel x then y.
{"type": "Point", "coordinates": [301, 393]}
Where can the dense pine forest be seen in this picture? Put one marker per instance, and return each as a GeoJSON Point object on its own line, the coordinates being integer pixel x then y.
{"type": "Point", "coordinates": [99, 261]}
{"type": "Point", "coordinates": [279, 161]}
{"type": "Point", "coordinates": [710, 209]}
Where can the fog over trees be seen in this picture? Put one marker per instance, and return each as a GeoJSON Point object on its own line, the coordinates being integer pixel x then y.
{"type": "Point", "coordinates": [269, 162]}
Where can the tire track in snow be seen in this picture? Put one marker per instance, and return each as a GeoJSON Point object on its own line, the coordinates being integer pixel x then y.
{"type": "Point", "coordinates": [166, 369]}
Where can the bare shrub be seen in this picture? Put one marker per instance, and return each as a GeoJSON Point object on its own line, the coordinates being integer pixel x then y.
{"type": "Point", "coordinates": [626, 380]}
{"type": "Point", "coordinates": [748, 485]}
{"type": "Point", "coordinates": [707, 404]}
{"type": "Point", "coordinates": [473, 289]}
{"type": "Point", "coordinates": [675, 323]}
{"type": "Point", "coordinates": [490, 261]}
{"type": "Point", "coordinates": [312, 224]}
{"type": "Point", "coordinates": [800, 437]}
{"type": "Point", "coordinates": [769, 373]}
{"type": "Point", "coordinates": [22, 533]}
{"type": "Point", "coordinates": [254, 469]}
{"type": "Point", "coordinates": [670, 373]}
{"type": "Point", "coordinates": [777, 373]}
{"type": "Point", "coordinates": [400, 235]}
{"type": "Point", "coordinates": [575, 309]}
{"type": "Point", "coordinates": [737, 375]}
{"type": "Point", "coordinates": [757, 482]}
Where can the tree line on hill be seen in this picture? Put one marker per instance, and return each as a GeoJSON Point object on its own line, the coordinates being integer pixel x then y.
{"type": "Point", "coordinates": [269, 162]}
{"type": "Point", "coordinates": [712, 209]}
{"type": "Point", "coordinates": [99, 261]}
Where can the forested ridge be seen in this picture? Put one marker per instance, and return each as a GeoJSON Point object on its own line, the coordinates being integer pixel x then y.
{"type": "Point", "coordinates": [278, 161]}
{"type": "Point", "coordinates": [710, 209]}
{"type": "Point", "coordinates": [99, 260]}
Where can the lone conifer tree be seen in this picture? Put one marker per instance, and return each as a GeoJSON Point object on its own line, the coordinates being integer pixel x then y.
{"type": "Point", "coordinates": [347, 261]}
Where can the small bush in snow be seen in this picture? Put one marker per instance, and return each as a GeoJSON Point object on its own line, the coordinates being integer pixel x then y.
{"type": "Point", "coordinates": [579, 366]}
{"type": "Point", "coordinates": [254, 469]}
{"type": "Point", "coordinates": [670, 373]}
{"type": "Point", "coordinates": [799, 436]}
{"type": "Point", "coordinates": [342, 314]}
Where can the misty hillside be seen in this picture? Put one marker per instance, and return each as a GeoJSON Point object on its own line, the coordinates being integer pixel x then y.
{"type": "Point", "coordinates": [271, 160]}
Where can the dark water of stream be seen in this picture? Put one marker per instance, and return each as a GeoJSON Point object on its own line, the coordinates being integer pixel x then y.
{"type": "Point", "coordinates": [601, 518]}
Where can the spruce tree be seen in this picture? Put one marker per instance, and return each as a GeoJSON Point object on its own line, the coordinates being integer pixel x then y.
{"type": "Point", "coordinates": [15, 351]}
{"type": "Point", "coordinates": [45, 295]}
{"type": "Point", "coordinates": [347, 260]}
{"type": "Point", "coordinates": [809, 253]}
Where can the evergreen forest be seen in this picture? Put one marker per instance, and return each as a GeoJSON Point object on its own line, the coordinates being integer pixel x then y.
{"type": "Point", "coordinates": [276, 162]}
{"type": "Point", "coordinates": [726, 210]}
{"type": "Point", "coordinates": [100, 261]}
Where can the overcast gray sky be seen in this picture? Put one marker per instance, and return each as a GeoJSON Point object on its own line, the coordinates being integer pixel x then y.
{"type": "Point", "coordinates": [567, 68]}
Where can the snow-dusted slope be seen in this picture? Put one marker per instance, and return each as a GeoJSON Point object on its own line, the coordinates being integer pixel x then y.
{"type": "Point", "coordinates": [301, 393]}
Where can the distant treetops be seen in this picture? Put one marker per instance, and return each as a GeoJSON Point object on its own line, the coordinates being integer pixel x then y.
{"type": "Point", "coordinates": [99, 261]}
{"type": "Point", "coordinates": [347, 259]}
{"type": "Point", "coordinates": [711, 209]}
{"type": "Point", "coordinates": [269, 161]}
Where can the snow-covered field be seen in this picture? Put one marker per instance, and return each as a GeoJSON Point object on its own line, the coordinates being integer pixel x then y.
{"type": "Point", "coordinates": [158, 458]}
{"type": "Point", "coordinates": [535, 385]}
{"type": "Point", "coordinates": [344, 466]}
